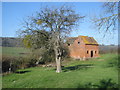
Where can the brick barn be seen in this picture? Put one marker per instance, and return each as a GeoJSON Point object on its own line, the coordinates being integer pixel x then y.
{"type": "Point", "coordinates": [83, 47]}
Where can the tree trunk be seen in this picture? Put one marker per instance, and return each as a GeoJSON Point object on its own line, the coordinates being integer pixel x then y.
{"type": "Point", "coordinates": [58, 54]}
{"type": "Point", "coordinates": [58, 61]}
{"type": "Point", "coordinates": [10, 67]}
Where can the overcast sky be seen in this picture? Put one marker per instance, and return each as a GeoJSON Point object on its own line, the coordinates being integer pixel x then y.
{"type": "Point", "coordinates": [14, 12]}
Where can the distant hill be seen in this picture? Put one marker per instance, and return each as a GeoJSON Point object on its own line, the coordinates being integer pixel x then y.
{"type": "Point", "coordinates": [10, 42]}
{"type": "Point", "coordinates": [108, 48]}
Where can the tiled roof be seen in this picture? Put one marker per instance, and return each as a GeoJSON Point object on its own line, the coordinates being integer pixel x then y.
{"type": "Point", "coordinates": [71, 40]}
{"type": "Point", "coordinates": [89, 40]}
{"type": "Point", "coordinates": [86, 40]}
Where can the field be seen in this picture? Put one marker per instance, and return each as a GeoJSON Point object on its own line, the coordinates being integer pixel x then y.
{"type": "Point", "coordinates": [14, 51]}
{"type": "Point", "coordinates": [99, 72]}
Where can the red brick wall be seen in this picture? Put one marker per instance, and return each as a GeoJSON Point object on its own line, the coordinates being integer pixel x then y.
{"type": "Point", "coordinates": [77, 50]}
{"type": "Point", "coordinates": [80, 50]}
{"type": "Point", "coordinates": [90, 48]}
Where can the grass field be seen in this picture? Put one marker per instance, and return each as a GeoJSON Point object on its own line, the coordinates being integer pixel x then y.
{"type": "Point", "coordinates": [14, 51]}
{"type": "Point", "coordinates": [76, 74]}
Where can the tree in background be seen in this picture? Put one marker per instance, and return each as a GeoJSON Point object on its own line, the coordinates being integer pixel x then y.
{"type": "Point", "coordinates": [56, 23]}
{"type": "Point", "coordinates": [108, 21]}
{"type": "Point", "coordinates": [38, 42]}
{"type": "Point", "coordinates": [37, 39]}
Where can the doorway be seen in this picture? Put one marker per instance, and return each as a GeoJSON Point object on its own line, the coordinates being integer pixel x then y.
{"type": "Point", "coordinates": [91, 53]}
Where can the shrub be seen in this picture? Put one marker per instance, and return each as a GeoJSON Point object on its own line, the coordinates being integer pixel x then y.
{"type": "Point", "coordinates": [12, 63]}
{"type": "Point", "coordinates": [8, 63]}
{"type": "Point", "coordinates": [31, 61]}
{"type": "Point", "coordinates": [48, 56]}
{"type": "Point", "coordinates": [107, 84]}
{"type": "Point", "coordinates": [5, 64]}
{"type": "Point", "coordinates": [103, 84]}
{"type": "Point", "coordinates": [43, 55]}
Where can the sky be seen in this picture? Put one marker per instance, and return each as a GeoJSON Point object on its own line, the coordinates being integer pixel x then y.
{"type": "Point", "coordinates": [13, 14]}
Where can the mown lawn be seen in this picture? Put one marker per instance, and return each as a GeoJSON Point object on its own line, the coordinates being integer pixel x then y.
{"type": "Point", "coordinates": [76, 74]}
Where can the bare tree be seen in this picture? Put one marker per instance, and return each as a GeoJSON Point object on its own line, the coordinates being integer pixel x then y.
{"type": "Point", "coordinates": [108, 20]}
{"type": "Point", "coordinates": [58, 22]}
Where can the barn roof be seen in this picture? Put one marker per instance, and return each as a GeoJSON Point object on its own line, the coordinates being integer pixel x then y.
{"type": "Point", "coordinates": [86, 40]}
{"type": "Point", "coordinates": [71, 40]}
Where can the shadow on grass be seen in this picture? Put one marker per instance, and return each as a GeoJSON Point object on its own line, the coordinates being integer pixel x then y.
{"type": "Point", "coordinates": [103, 84]}
{"type": "Point", "coordinates": [22, 72]}
{"type": "Point", "coordinates": [77, 67]}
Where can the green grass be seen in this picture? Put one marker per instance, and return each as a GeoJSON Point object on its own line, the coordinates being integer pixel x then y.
{"type": "Point", "coordinates": [74, 74]}
{"type": "Point", "coordinates": [14, 51]}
